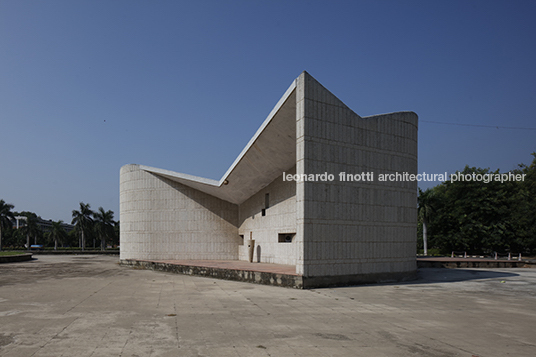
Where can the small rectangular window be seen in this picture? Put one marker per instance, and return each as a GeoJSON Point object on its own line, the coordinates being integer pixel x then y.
{"type": "Point", "coordinates": [286, 237]}
{"type": "Point", "coordinates": [263, 212]}
{"type": "Point", "coordinates": [241, 242]}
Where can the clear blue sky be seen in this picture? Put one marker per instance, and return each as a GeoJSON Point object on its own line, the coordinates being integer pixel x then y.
{"type": "Point", "coordinates": [89, 86]}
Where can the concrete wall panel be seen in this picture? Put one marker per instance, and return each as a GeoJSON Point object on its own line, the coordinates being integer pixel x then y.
{"type": "Point", "coordinates": [163, 219]}
{"type": "Point", "coordinates": [280, 217]}
{"type": "Point", "coordinates": [344, 229]}
{"type": "Point", "coordinates": [359, 227]}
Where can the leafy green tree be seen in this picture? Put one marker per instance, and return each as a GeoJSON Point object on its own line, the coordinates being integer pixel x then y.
{"type": "Point", "coordinates": [524, 212]}
{"type": "Point", "coordinates": [104, 225]}
{"type": "Point", "coordinates": [57, 234]}
{"type": "Point", "coordinates": [17, 238]}
{"type": "Point", "coordinates": [477, 214]}
{"type": "Point", "coordinates": [5, 215]}
{"type": "Point", "coordinates": [480, 217]}
{"type": "Point", "coordinates": [82, 219]}
{"type": "Point", "coordinates": [73, 238]}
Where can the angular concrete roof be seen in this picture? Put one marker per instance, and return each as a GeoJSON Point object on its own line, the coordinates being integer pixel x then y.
{"type": "Point", "coordinates": [270, 151]}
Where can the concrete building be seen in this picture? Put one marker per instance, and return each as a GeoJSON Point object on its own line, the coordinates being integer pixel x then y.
{"type": "Point", "coordinates": [307, 188]}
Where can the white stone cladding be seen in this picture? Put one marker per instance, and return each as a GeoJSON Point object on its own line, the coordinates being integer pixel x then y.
{"type": "Point", "coordinates": [163, 219]}
{"type": "Point", "coordinates": [280, 217]}
{"type": "Point", "coordinates": [349, 228]}
{"type": "Point", "coordinates": [346, 231]}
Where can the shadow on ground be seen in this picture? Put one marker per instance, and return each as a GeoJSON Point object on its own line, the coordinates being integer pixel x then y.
{"type": "Point", "coordinates": [444, 275]}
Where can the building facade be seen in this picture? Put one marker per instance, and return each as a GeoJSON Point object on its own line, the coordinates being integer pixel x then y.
{"type": "Point", "coordinates": [317, 187]}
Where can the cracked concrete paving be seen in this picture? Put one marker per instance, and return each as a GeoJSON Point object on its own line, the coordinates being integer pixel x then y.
{"type": "Point", "coordinates": [91, 306]}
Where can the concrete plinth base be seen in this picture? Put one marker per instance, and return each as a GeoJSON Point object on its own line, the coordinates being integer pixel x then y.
{"type": "Point", "coordinates": [266, 274]}
{"type": "Point", "coordinates": [250, 276]}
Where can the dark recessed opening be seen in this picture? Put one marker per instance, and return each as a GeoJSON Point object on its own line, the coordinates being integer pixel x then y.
{"type": "Point", "coordinates": [286, 237]}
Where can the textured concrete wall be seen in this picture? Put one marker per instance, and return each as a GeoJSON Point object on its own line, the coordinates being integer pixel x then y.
{"type": "Point", "coordinates": [162, 219]}
{"type": "Point", "coordinates": [354, 228]}
{"type": "Point", "coordinates": [352, 231]}
{"type": "Point", "coordinates": [280, 218]}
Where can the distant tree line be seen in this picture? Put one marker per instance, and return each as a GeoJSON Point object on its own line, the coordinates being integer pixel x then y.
{"type": "Point", "coordinates": [87, 229]}
{"type": "Point", "coordinates": [478, 217]}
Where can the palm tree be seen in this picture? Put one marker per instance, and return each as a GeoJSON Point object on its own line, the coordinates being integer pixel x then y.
{"type": "Point", "coordinates": [57, 233]}
{"type": "Point", "coordinates": [82, 221]}
{"type": "Point", "coordinates": [104, 225]}
{"type": "Point", "coordinates": [31, 228]}
{"type": "Point", "coordinates": [5, 215]}
{"type": "Point", "coordinates": [425, 210]}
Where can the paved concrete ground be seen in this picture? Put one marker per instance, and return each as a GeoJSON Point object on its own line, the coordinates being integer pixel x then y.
{"type": "Point", "coordinates": [91, 306]}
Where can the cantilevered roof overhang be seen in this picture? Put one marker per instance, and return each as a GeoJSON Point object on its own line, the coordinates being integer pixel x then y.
{"type": "Point", "coordinates": [271, 151]}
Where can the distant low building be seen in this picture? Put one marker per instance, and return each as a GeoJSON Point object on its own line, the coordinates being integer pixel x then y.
{"type": "Point", "coordinates": [306, 189]}
{"type": "Point", "coordinates": [44, 225]}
